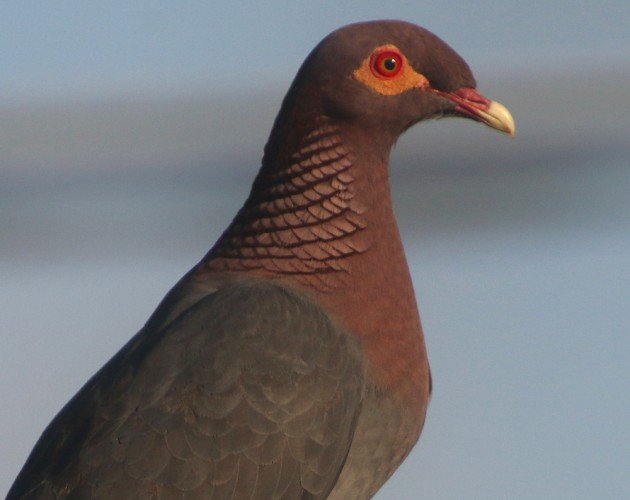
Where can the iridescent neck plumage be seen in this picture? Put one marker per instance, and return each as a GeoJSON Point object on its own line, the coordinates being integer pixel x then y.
{"type": "Point", "coordinates": [302, 217]}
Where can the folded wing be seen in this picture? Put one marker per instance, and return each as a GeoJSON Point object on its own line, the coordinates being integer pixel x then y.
{"type": "Point", "coordinates": [252, 392]}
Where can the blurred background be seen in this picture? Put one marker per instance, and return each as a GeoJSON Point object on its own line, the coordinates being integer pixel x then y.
{"type": "Point", "coordinates": [130, 133]}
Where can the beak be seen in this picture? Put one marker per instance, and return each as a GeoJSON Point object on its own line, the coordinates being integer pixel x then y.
{"type": "Point", "coordinates": [472, 104]}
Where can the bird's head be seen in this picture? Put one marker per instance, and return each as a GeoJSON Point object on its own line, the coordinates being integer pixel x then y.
{"type": "Point", "coordinates": [391, 74]}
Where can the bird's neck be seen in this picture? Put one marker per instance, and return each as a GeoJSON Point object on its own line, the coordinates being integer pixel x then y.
{"type": "Point", "coordinates": [314, 211]}
{"type": "Point", "coordinates": [320, 217]}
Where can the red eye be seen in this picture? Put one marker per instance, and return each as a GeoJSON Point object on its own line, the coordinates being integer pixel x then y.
{"type": "Point", "coordinates": [386, 64]}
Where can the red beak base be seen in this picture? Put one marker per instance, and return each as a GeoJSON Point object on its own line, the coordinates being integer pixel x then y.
{"type": "Point", "coordinates": [471, 104]}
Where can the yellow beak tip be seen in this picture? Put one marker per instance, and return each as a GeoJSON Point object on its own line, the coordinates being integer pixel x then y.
{"type": "Point", "coordinates": [498, 117]}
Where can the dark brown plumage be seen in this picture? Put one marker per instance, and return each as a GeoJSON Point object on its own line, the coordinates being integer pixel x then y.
{"type": "Point", "coordinates": [290, 362]}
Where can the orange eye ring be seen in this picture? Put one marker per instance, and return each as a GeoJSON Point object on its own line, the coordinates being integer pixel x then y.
{"type": "Point", "coordinates": [386, 64]}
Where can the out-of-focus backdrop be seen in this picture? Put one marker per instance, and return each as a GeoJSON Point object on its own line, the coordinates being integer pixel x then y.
{"type": "Point", "coordinates": [129, 135]}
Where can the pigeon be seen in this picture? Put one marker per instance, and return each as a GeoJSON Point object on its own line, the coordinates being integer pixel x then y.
{"type": "Point", "coordinates": [290, 361]}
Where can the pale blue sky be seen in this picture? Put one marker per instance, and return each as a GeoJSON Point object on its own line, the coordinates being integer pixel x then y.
{"type": "Point", "coordinates": [122, 158]}
{"type": "Point", "coordinates": [87, 48]}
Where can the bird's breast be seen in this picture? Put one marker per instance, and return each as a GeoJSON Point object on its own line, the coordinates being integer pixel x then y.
{"type": "Point", "coordinates": [382, 311]}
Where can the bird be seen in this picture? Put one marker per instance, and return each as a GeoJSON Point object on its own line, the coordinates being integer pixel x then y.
{"type": "Point", "coordinates": [290, 361]}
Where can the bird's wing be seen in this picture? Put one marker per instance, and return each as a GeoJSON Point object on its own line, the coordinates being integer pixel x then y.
{"type": "Point", "coordinates": [253, 392]}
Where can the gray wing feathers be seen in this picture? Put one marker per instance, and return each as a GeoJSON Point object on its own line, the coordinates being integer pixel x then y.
{"type": "Point", "coordinates": [253, 392]}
